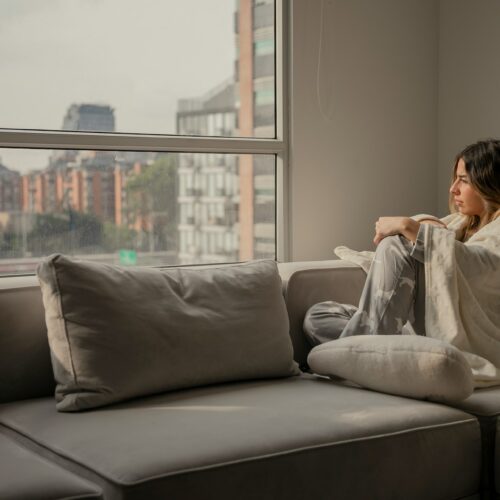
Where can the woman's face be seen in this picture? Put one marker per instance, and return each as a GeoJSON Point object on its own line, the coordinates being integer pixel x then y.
{"type": "Point", "coordinates": [467, 200]}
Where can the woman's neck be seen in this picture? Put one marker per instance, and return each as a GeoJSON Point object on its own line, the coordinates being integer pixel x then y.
{"type": "Point", "coordinates": [483, 220]}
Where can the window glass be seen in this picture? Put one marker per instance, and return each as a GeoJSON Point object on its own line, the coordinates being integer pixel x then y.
{"type": "Point", "coordinates": [264, 46]}
{"type": "Point", "coordinates": [187, 68]}
{"type": "Point", "coordinates": [135, 208]}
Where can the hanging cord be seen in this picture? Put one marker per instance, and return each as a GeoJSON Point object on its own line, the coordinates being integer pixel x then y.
{"type": "Point", "coordinates": [328, 116]}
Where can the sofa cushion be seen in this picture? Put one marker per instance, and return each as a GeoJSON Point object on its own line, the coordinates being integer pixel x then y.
{"type": "Point", "coordinates": [407, 365]}
{"type": "Point", "coordinates": [117, 333]}
{"type": "Point", "coordinates": [497, 458]}
{"type": "Point", "coordinates": [25, 475]}
{"type": "Point", "coordinates": [25, 369]}
{"type": "Point", "coordinates": [482, 403]}
{"type": "Point", "coordinates": [485, 405]}
{"type": "Point", "coordinates": [292, 438]}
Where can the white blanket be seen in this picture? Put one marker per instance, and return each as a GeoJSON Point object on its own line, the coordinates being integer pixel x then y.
{"type": "Point", "coordinates": [462, 288]}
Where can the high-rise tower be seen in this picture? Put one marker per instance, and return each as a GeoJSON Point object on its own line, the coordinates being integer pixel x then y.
{"type": "Point", "coordinates": [90, 118]}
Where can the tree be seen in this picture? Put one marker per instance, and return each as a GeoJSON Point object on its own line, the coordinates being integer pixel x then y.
{"type": "Point", "coordinates": [10, 244]}
{"type": "Point", "coordinates": [68, 232]}
{"type": "Point", "coordinates": [118, 237]}
{"type": "Point", "coordinates": [152, 199]}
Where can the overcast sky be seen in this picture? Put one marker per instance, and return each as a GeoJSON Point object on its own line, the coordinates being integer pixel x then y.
{"type": "Point", "coordinates": [137, 56]}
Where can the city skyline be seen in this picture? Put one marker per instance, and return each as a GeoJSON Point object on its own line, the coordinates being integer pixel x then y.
{"type": "Point", "coordinates": [218, 208]}
{"type": "Point", "coordinates": [143, 105]}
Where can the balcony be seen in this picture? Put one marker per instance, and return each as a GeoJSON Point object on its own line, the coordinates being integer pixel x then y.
{"type": "Point", "coordinates": [194, 192]}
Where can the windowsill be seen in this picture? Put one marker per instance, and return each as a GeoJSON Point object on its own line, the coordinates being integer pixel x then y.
{"type": "Point", "coordinates": [23, 281]}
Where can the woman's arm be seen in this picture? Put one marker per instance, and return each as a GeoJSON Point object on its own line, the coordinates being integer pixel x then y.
{"type": "Point", "coordinates": [478, 263]}
{"type": "Point", "coordinates": [408, 227]}
{"type": "Point", "coordinates": [428, 219]}
{"type": "Point", "coordinates": [388, 226]}
{"type": "Point", "coordinates": [434, 222]}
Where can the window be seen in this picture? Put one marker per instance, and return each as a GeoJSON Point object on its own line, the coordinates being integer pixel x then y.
{"type": "Point", "coordinates": [264, 47]}
{"type": "Point", "coordinates": [160, 135]}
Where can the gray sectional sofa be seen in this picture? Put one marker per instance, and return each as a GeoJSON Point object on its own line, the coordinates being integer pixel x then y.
{"type": "Point", "coordinates": [294, 437]}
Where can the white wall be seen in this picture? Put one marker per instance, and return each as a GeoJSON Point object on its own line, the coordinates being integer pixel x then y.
{"type": "Point", "coordinates": [367, 147]}
{"type": "Point", "coordinates": [469, 80]}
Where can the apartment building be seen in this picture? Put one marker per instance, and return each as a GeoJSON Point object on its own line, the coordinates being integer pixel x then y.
{"type": "Point", "coordinates": [83, 184]}
{"type": "Point", "coordinates": [10, 198]}
{"type": "Point", "coordinates": [227, 202]}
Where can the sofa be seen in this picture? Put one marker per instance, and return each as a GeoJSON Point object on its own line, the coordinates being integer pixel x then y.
{"type": "Point", "coordinates": [303, 436]}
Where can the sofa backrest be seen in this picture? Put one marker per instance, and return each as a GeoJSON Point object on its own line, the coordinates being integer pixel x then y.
{"type": "Point", "coordinates": [25, 367]}
{"type": "Point", "coordinates": [307, 283]}
{"type": "Point", "coordinates": [25, 364]}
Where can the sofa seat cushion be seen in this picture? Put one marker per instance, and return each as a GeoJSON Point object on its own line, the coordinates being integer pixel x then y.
{"type": "Point", "coordinates": [300, 437]}
{"type": "Point", "coordinates": [485, 405]}
{"type": "Point", "coordinates": [25, 475]}
{"type": "Point", "coordinates": [482, 403]}
{"type": "Point", "coordinates": [497, 459]}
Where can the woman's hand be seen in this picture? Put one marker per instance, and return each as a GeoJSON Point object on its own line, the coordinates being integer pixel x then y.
{"type": "Point", "coordinates": [388, 226]}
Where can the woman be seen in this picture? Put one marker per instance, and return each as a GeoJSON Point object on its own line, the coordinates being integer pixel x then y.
{"type": "Point", "coordinates": [435, 277]}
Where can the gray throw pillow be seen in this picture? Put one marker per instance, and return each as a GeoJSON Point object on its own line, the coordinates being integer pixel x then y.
{"type": "Point", "coordinates": [406, 365]}
{"type": "Point", "coordinates": [117, 333]}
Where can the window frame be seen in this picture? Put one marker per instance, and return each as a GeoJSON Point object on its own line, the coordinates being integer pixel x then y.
{"type": "Point", "coordinates": [278, 146]}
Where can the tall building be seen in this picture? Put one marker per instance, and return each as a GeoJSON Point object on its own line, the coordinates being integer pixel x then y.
{"type": "Point", "coordinates": [89, 117]}
{"type": "Point", "coordinates": [255, 79]}
{"type": "Point", "coordinates": [227, 202]}
{"type": "Point", "coordinates": [10, 194]}
{"type": "Point", "coordinates": [11, 218]}
{"type": "Point", "coordinates": [212, 114]}
{"type": "Point", "coordinates": [208, 183]}
{"type": "Point", "coordinates": [34, 192]}
{"type": "Point", "coordinates": [123, 173]}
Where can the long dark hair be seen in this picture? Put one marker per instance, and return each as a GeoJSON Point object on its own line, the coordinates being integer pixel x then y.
{"type": "Point", "coordinates": [482, 164]}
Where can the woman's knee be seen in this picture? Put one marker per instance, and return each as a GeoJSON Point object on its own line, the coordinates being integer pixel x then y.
{"type": "Point", "coordinates": [326, 320]}
{"type": "Point", "coordinates": [396, 244]}
{"type": "Point", "coordinates": [394, 253]}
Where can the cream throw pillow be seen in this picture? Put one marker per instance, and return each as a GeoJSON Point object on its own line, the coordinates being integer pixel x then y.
{"type": "Point", "coordinates": [413, 366]}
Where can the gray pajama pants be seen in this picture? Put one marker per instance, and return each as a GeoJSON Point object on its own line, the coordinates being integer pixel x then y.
{"type": "Point", "coordinates": [394, 294]}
